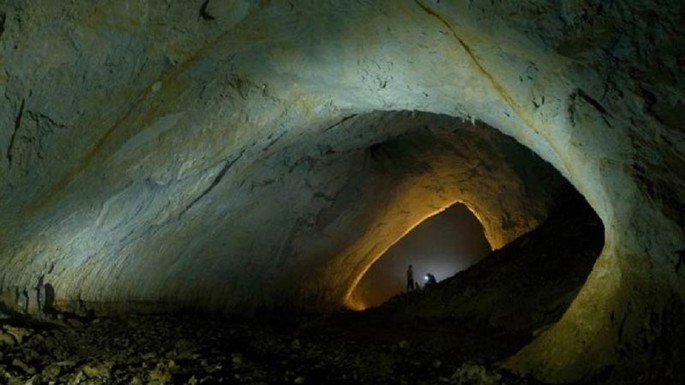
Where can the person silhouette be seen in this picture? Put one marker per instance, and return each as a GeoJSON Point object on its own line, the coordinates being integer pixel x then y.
{"type": "Point", "coordinates": [410, 279]}
{"type": "Point", "coordinates": [430, 280]}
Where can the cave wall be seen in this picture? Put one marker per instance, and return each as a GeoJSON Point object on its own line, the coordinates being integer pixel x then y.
{"type": "Point", "coordinates": [325, 203]}
{"type": "Point", "coordinates": [182, 148]}
{"type": "Point", "coordinates": [144, 145]}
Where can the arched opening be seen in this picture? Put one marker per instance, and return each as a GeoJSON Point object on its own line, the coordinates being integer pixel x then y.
{"type": "Point", "coordinates": [502, 303]}
{"type": "Point", "coordinates": [446, 243]}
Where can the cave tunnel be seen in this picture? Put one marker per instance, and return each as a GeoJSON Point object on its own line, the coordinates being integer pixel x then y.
{"type": "Point", "coordinates": [444, 244]}
{"type": "Point", "coordinates": [173, 169]}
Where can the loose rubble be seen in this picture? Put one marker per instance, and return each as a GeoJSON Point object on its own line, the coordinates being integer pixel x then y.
{"type": "Point", "coordinates": [181, 350]}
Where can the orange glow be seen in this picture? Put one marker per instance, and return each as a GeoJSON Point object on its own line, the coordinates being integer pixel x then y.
{"type": "Point", "coordinates": [355, 303]}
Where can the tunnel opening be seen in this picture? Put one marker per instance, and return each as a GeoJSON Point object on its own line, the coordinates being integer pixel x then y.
{"type": "Point", "coordinates": [443, 244]}
{"type": "Point", "coordinates": [544, 201]}
{"type": "Point", "coordinates": [519, 290]}
{"type": "Point", "coordinates": [499, 305]}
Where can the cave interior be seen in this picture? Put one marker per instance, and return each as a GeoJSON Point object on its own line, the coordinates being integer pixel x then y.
{"type": "Point", "coordinates": [231, 192]}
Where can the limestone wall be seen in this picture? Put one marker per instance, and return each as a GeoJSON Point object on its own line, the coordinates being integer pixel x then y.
{"type": "Point", "coordinates": [156, 150]}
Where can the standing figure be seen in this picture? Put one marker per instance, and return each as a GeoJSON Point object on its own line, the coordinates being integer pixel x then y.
{"type": "Point", "coordinates": [410, 279]}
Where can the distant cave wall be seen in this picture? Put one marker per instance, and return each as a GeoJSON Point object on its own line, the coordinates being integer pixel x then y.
{"type": "Point", "coordinates": [135, 138]}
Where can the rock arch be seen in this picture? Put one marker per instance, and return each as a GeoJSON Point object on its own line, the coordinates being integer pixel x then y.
{"type": "Point", "coordinates": [136, 127]}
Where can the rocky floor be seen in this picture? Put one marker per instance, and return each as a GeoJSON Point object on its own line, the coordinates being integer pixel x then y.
{"type": "Point", "coordinates": [173, 350]}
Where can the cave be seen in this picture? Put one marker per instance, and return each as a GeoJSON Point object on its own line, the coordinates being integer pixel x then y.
{"type": "Point", "coordinates": [191, 191]}
{"type": "Point", "coordinates": [444, 244]}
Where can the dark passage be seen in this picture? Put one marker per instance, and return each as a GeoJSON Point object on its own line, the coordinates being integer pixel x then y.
{"type": "Point", "coordinates": [442, 245]}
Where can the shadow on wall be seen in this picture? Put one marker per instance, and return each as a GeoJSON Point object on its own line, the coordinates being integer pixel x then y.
{"type": "Point", "coordinates": [49, 299]}
{"type": "Point", "coordinates": [442, 245]}
{"type": "Point", "coordinates": [39, 302]}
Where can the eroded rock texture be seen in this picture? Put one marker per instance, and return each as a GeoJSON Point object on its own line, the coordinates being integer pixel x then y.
{"type": "Point", "coordinates": [242, 154]}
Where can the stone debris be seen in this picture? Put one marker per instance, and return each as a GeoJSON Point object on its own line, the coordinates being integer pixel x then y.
{"type": "Point", "coordinates": [168, 350]}
{"type": "Point", "coordinates": [18, 333]}
{"type": "Point", "coordinates": [6, 339]}
{"type": "Point", "coordinates": [475, 374]}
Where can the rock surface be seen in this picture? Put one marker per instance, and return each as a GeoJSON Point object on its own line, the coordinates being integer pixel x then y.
{"type": "Point", "coordinates": [408, 341]}
{"type": "Point", "coordinates": [165, 154]}
{"type": "Point", "coordinates": [328, 206]}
